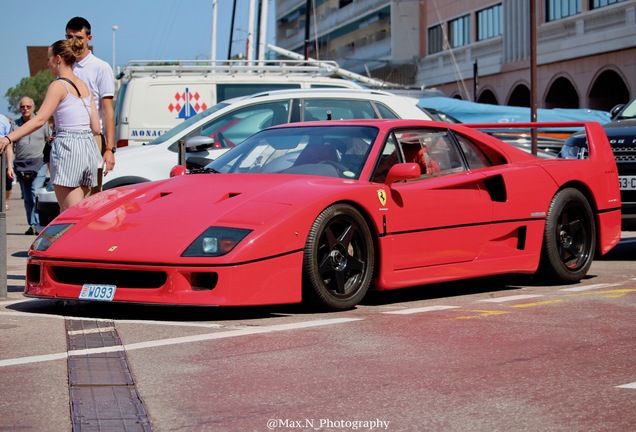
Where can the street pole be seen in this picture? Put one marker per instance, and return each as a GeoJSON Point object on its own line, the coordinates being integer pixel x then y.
{"type": "Point", "coordinates": [3, 227]}
{"type": "Point", "coordinates": [533, 74]}
{"type": "Point", "coordinates": [115, 28]}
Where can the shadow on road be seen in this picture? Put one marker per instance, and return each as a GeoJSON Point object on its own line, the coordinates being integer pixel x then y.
{"type": "Point", "coordinates": [624, 251]}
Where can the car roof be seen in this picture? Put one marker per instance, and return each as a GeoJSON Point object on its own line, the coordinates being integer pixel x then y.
{"type": "Point", "coordinates": [326, 92]}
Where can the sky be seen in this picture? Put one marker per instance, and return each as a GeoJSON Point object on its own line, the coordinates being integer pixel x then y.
{"type": "Point", "coordinates": [147, 30]}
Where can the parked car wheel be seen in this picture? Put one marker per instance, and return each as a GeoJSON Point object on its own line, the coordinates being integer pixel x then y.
{"type": "Point", "coordinates": [339, 259]}
{"type": "Point", "coordinates": [569, 240]}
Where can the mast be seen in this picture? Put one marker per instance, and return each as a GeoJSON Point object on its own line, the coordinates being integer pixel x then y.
{"type": "Point", "coordinates": [249, 55]}
{"type": "Point", "coordinates": [229, 45]}
{"type": "Point", "coordinates": [262, 36]}
{"type": "Point", "coordinates": [307, 20]}
{"type": "Point", "coordinates": [214, 19]}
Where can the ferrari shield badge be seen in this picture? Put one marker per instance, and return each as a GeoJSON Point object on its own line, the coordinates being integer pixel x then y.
{"type": "Point", "coordinates": [382, 196]}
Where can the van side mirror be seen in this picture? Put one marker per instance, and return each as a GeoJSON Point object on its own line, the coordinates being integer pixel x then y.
{"type": "Point", "coordinates": [199, 143]}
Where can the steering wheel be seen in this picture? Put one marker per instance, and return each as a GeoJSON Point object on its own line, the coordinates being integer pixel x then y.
{"type": "Point", "coordinates": [337, 165]}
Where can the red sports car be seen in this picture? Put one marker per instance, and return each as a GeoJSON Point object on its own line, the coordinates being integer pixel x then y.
{"type": "Point", "coordinates": [322, 212]}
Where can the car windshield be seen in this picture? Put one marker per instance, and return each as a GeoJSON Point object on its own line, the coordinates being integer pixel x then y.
{"type": "Point", "coordinates": [629, 112]}
{"type": "Point", "coordinates": [187, 123]}
{"type": "Point", "coordinates": [312, 150]}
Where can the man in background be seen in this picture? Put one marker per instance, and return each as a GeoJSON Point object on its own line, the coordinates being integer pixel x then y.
{"type": "Point", "coordinates": [99, 77]}
{"type": "Point", "coordinates": [5, 128]}
{"type": "Point", "coordinates": [28, 162]}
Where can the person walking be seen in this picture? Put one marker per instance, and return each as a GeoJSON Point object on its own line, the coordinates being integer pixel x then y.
{"type": "Point", "coordinates": [99, 77]}
{"type": "Point", "coordinates": [5, 128]}
{"type": "Point", "coordinates": [74, 154]}
{"type": "Point", "coordinates": [28, 162]}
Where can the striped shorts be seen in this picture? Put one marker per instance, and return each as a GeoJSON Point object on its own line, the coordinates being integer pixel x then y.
{"type": "Point", "coordinates": [74, 159]}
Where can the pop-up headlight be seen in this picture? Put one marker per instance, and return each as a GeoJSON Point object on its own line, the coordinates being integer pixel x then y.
{"type": "Point", "coordinates": [50, 235]}
{"type": "Point", "coordinates": [215, 241]}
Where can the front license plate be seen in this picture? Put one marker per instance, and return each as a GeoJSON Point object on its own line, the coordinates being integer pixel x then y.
{"type": "Point", "coordinates": [627, 182]}
{"type": "Point", "coordinates": [97, 292]}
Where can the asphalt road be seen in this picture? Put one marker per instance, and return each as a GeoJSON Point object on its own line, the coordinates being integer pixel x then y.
{"type": "Point", "coordinates": [496, 354]}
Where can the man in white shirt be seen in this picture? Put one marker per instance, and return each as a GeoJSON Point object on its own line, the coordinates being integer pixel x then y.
{"type": "Point", "coordinates": [99, 77]}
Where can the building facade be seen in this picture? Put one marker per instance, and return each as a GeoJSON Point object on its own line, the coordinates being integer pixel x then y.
{"type": "Point", "coordinates": [585, 51]}
{"type": "Point", "coordinates": [379, 38]}
{"type": "Point", "coordinates": [478, 49]}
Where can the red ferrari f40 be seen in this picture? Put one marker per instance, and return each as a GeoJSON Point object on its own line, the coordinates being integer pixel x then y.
{"type": "Point", "coordinates": [322, 212]}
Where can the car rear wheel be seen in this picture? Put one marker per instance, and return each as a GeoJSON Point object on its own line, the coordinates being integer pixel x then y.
{"type": "Point", "coordinates": [339, 259]}
{"type": "Point", "coordinates": [569, 239]}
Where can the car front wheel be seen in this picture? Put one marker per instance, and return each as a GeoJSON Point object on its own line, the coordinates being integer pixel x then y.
{"type": "Point", "coordinates": [569, 238]}
{"type": "Point", "coordinates": [339, 259]}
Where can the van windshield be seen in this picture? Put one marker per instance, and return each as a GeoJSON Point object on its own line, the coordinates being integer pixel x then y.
{"type": "Point", "coordinates": [177, 129]}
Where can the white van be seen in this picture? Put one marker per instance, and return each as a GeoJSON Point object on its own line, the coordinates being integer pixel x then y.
{"type": "Point", "coordinates": [154, 97]}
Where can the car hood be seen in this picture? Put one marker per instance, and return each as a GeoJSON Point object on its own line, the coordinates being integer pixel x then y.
{"type": "Point", "coordinates": [155, 222]}
{"type": "Point", "coordinates": [621, 129]}
{"type": "Point", "coordinates": [622, 132]}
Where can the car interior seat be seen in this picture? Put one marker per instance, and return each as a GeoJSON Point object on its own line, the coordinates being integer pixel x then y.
{"type": "Point", "coordinates": [317, 151]}
{"type": "Point", "coordinates": [413, 154]}
{"type": "Point", "coordinates": [419, 154]}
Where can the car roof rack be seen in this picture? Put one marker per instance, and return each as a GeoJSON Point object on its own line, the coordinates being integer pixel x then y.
{"type": "Point", "coordinates": [227, 67]}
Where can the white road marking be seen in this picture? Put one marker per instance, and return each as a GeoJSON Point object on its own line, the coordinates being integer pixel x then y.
{"type": "Point", "coordinates": [33, 359]}
{"type": "Point", "coordinates": [589, 287]}
{"type": "Point", "coordinates": [91, 331]}
{"type": "Point", "coordinates": [179, 340]}
{"type": "Point", "coordinates": [152, 322]}
{"type": "Point", "coordinates": [510, 298]}
{"type": "Point", "coordinates": [419, 310]}
{"type": "Point", "coordinates": [170, 323]}
{"type": "Point", "coordinates": [30, 314]}
{"type": "Point", "coordinates": [628, 386]}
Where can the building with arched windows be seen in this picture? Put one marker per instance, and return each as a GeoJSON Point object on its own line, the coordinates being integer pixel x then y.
{"type": "Point", "coordinates": [478, 49]}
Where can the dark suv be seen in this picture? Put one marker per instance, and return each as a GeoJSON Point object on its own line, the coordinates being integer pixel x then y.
{"type": "Point", "coordinates": [621, 132]}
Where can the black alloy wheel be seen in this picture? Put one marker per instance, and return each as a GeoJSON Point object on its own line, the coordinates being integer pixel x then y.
{"type": "Point", "coordinates": [339, 259]}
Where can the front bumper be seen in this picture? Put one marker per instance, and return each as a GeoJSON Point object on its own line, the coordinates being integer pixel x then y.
{"type": "Point", "coordinates": [271, 281]}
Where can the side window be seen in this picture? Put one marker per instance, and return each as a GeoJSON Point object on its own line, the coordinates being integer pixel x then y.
{"type": "Point", "coordinates": [229, 91]}
{"type": "Point", "coordinates": [434, 151]}
{"type": "Point", "coordinates": [385, 112]}
{"type": "Point", "coordinates": [323, 109]}
{"type": "Point", "coordinates": [234, 127]}
{"type": "Point", "coordinates": [388, 158]}
{"type": "Point", "coordinates": [474, 156]}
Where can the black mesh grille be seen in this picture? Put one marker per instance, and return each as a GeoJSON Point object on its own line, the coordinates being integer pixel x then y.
{"type": "Point", "coordinates": [119, 278]}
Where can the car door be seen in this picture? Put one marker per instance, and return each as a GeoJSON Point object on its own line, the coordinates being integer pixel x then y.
{"type": "Point", "coordinates": [442, 217]}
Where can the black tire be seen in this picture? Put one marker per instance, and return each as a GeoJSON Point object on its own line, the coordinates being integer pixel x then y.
{"type": "Point", "coordinates": [339, 259]}
{"type": "Point", "coordinates": [569, 240]}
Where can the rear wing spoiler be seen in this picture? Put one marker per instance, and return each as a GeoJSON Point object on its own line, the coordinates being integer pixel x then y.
{"type": "Point", "coordinates": [597, 142]}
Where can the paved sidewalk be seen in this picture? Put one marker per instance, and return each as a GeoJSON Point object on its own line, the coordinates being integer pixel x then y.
{"type": "Point", "coordinates": [17, 246]}
{"type": "Point", "coordinates": [35, 393]}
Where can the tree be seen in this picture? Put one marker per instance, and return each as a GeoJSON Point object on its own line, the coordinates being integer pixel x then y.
{"type": "Point", "coordinates": [34, 87]}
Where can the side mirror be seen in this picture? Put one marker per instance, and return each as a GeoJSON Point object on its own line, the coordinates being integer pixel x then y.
{"type": "Point", "coordinates": [199, 143]}
{"type": "Point", "coordinates": [403, 171]}
{"type": "Point", "coordinates": [178, 170]}
{"type": "Point", "coordinates": [614, 111]}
